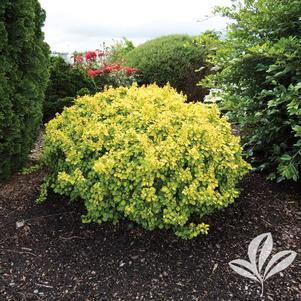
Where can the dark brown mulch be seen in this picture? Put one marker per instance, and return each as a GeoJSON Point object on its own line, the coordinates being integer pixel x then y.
{"type": "Point", "coordinates": [53, 256]}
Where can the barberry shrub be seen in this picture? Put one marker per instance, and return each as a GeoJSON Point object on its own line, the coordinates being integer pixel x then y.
{"type": "Point", "coordinates": [23, 79]}
{"type": "Point", "coordinates": [145, 155]}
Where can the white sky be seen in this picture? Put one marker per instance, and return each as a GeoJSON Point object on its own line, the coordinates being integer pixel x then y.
{"type": "Point", "coordinates": [85, 24]}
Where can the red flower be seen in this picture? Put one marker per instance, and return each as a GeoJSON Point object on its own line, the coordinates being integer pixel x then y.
{"type": "Point", "coordinates": [90, 55]}
{"type": "Point", "coordinates": [91, 72]}
{"type": "Point", "coordinates": [116, 67]}
{"type": "Point", "coordinates": [94, 73]}
{"type": "Point", "coordinates": [129, 70]}
{"type": "Point", "coordinates": [98, 72]}
{"type": "Point", "coordinates": [107, 69]}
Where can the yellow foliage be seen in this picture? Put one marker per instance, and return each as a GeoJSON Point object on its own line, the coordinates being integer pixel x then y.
{"type": "Point", "coordinates": [145, 154]}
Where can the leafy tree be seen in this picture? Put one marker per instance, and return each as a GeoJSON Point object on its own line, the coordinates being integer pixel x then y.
{"type": "Point", "coordinates": [23, 80]}
{"type": "Point", "coordinates": [258, 74]}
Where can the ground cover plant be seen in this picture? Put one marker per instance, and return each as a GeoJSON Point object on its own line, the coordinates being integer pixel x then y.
{"type": "Point", "coordinates": [23, 80]}
{"type": "Point", "coordinates": [258, 78]}
{"type": "Point", "coordinates": [146, 155]}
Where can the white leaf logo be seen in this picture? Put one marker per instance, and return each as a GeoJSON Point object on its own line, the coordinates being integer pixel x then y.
{"type": "Point", "coordinates": [259, 250]}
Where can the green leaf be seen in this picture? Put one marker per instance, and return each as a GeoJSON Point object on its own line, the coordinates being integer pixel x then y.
{"type": "Point", "coordinates": [289, 171]}
{"type": "Point", "coordinates": [285, 157]}
{"type": "Point", "coordinates": [297, 129]}
{"type": "Point", "coordinates": [298, 143]}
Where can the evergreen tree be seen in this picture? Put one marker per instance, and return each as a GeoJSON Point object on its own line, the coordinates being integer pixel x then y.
{"type": "Point", "coordinates": [23, 79]}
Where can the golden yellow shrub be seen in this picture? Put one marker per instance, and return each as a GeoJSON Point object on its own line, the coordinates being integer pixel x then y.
{"type": "Point", "coordinates": [146, 155]}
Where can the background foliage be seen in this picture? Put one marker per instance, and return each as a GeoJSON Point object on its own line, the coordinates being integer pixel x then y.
{"type": "Point", "coordinates": [119, 50]}
{"type": "Point", "coordinates": [64, 85]}
{"type": "Point", "coordinates": [258, 72]}
{"type": "Point", "coordinates": [23, 80]}
{"type": "Point", "coordinates": [89, 73]}
{"type": "Point", "coordinates": [144, 154]}
{"type": "Point", "coordinates": [171, 59]}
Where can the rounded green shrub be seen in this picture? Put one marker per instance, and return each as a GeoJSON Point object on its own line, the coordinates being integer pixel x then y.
{"type": "Point", "coordinates": [171, 59]}
{"type": "Point", "coordinates": [23, 79]}
{"type": "Point", "coordinates": [65, 84]}
{"type": "Point", "coordinates": [146, 155]}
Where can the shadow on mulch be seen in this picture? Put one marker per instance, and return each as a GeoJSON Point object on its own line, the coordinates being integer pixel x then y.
{"type": "Point", "coordinates": [53, 256]}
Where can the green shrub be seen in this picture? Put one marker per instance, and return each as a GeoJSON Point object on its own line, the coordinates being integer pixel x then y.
{"type": "Point", "coordinates": [259, 77]}
{"type": "Point", "coordinates": [144, 154]}
{"type": "Point", "coordinates": [171, 59]}
{"type": "Point", "coordinates": [23, 78]}
{"type": "Point", "coordinates": [64, 85]}
{"type": "Point", "coordinates": [83, 92]}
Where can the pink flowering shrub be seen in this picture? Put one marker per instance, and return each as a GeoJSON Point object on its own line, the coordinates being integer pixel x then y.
{"type": "Point", "coordinates": [103, 73]}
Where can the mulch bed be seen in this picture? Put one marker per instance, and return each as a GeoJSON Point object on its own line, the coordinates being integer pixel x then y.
{"type": "Point", "coordinates": [53, 256]}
